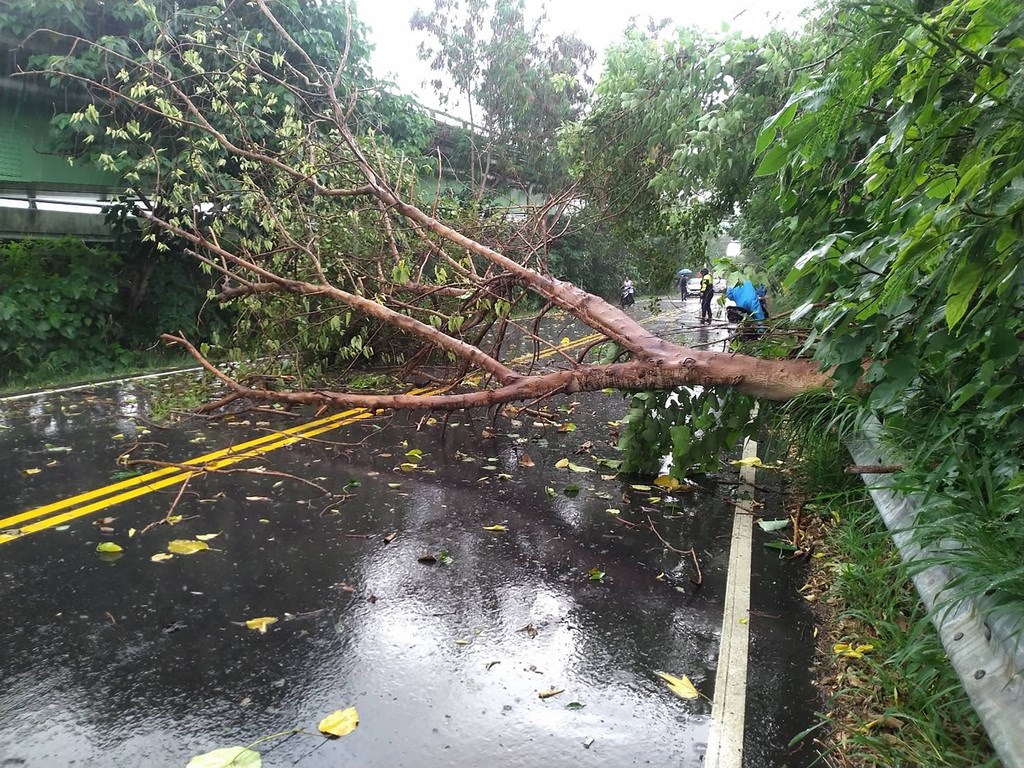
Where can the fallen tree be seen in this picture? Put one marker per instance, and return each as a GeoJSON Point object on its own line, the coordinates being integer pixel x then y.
{"type": "Point", "coordinates": [267, 184]}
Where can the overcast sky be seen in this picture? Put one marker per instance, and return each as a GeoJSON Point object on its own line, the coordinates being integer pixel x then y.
{"type": "Point", "coordinates": [597, 22]}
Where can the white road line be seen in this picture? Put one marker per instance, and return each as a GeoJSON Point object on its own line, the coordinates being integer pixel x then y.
{"type": "Point", "coordinates": [90, 385]}
{"type": "Point", "coordinates": [725, 742]}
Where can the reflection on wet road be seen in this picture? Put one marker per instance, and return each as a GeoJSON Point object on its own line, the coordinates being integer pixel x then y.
{"type": "Point", "coordinates": [130, 662]}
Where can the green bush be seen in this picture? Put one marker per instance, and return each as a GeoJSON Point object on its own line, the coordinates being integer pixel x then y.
{"type": "Point", "coordinates": [57, 301]}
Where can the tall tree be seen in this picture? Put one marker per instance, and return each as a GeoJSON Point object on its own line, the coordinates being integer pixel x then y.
{"type": "Point", "coordinates": [518, 87]}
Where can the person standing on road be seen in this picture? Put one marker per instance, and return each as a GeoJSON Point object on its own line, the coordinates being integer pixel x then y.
{"type": "Point", "coordinates": [707, 290]}
{"type": "Point", "coordinates": [683, 293]}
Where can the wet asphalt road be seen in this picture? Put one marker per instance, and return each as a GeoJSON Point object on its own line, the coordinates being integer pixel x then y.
{"type": "Point", "coordinates": [130, 662]}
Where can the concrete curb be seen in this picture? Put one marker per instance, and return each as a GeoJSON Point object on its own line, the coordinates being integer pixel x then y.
{"type": "Point", "coordinates": [983, 652]}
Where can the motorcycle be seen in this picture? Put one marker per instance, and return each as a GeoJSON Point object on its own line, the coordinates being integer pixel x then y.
{"type": "Point", "coordinates": [626, 298]}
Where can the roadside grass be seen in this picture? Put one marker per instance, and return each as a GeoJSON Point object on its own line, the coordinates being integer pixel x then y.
{"type": "Point", "coordinates": [897, 702]}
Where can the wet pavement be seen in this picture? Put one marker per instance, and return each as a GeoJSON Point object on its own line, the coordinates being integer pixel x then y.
{"type": "Point", "coordinates": [123, 661]}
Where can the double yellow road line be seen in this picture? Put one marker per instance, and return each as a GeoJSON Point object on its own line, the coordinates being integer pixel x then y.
{"type": "Point", "coordinates": [74, 507]}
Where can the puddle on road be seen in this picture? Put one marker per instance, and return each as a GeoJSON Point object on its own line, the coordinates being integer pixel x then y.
{"type": "Point", "coordinates": [139, 663]}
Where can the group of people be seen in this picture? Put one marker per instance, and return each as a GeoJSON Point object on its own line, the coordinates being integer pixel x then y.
{"type": "Point", "coordinates": [749, 301]}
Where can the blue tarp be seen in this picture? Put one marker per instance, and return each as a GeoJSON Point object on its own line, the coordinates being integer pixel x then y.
{"type": "Point", "coordinates": [747, 297]}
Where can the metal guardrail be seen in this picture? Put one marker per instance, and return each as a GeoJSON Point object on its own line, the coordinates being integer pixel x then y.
{"type": "Point", "coordinates": [982, 649]}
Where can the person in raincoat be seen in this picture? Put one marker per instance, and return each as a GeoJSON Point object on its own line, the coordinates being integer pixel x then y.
{"type": "Point", "coordinates": [707, 290]}
{"type": "Point", "coordinates": [750, 304]}
{"type": "Point", "coordinates": [748, 299]}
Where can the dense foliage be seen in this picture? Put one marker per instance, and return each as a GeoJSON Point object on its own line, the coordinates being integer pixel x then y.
{"type": "Point", "coordinates": [65, 305]}
{"type": "Point", "coordinates": [885, 194]}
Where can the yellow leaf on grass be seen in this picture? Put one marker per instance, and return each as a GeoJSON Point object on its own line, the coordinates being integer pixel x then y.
{"type": "Point", "coordinates": [561, 463]}
{"type": "Point", "coordinates": [186, 546]}
{"type": "Point", "coordinates": [750, 461]}
{"type": "Point", "coordinates": [159, 557]}
{"type": "Point", "coordinates": [340, 723]}
{"type": "Point", "coordinates": [665, 481]}
{"type": "Point", "coordinates": [207, 536]}
{"type": "Point", "coordinates": [261, 624]}
{"type": "Point", "coordinates": [680, 686]}
{"type": "Point", "coordinates": [498, 528]}
{"type": "Point", "coordinates": [108, 546]}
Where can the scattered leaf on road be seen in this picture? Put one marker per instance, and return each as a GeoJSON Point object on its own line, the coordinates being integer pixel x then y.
{"type": "Point", "coordinates": [160, 557]}
{"type": "Point", "coordinates": [595, 574]}
{"type": "Point", "coordinates": [561, 464]}
{"type": "Point", "coordinates": [261, 624]}
{"type": "Point", "coordinates": [575, 705]}
{"type": "Point", "coordinates": [783, 546]}
{"type": "Point", "coordinates": [186, 546]}
{"type": "Point", "coordinates": [526, 461]}
{"type": "Point", "coordinates": [206, 536]}
{"type": "Point", "coordinates": [750, 461]}
{"type": "Point", "coordinates": [680, 686]}
{"type": "Point", "coordinates": [32, 471]}
{"type": "Point", "coordinates": [668, 482]}
{"type": "Point", "coordinates": [108, 546]}
{"type": "Point", "coordinates": [772, 525]}
{"type": "Point", "coordinates": [549, 694]}
{"type": "Point", "coordinates": [227, 757]}
{"type": "Point", "coordinates": [498, 528]}
{"type": "Point", "coordinates": [339, 723]}
{"type": "Point", "coordinates": [579, 468]}
{"type": "Point", "coordinates": [641, 487]}
{"type": "Point", "coordinates": [390, 537]}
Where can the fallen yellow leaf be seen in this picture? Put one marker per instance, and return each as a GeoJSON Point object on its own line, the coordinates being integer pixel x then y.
{"type": "Point", "coordinates": [549, 694]}
{"type": "Point", "coordinates": [680, 686]}
{"type": "Point", "coordinates": [561, 464]}
{"type": "Point", "coordinates": [32, 471]}
{"type": "Point", "coordinates": [108, 546]}
{"type": "Point", "coordinates": [261, 623]}
{"type": "Point", "coordinates": [186, 546]}
{"type": "Point", "coordinates": [159, 557]}
{"type": "Point", "coordinates": [750, 461]}
{"type": "Point", "coordinates": [207, 536]}
{"type": "Point", "coordinates": [340, 723]}
{"type": "Point", "coordinates": [173, 519]}
{"type": "Point", "coordinates": [665, 481]}
{"type": "Point", "coordinates": [495, 528]}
